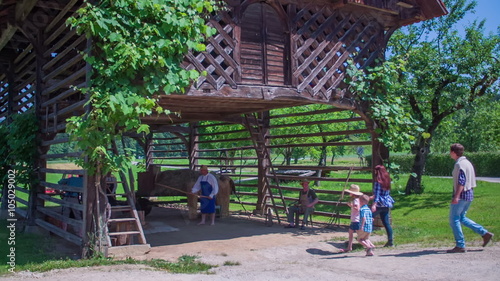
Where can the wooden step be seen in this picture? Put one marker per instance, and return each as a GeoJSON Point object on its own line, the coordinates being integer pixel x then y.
{"type": "Point", "coordinates": [121, 208]}
{"type": "Point", "coordinates": [132, 232]}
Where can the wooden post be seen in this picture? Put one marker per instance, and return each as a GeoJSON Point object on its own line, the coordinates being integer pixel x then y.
{"type": "Point", "coordinates": [193, 146]}
{"type": "Point", "coordinates": [147, 150]}
{"type": "Point", "coordinates": [264, 164]}
{"type": "Point", "coordinates": [10, 111]}
{"type": "Point", "coordinates": [35, 189]}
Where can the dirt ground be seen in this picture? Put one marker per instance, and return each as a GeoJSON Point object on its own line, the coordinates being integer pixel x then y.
{"type": "Point", "coordinates": [243, 248]}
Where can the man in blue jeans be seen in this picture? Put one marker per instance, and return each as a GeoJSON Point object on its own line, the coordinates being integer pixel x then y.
{"type": "Point", "coordinates": [464, 181]}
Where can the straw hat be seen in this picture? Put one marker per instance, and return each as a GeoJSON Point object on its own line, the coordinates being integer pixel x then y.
{"type": "Point", "coordinates": [354, 189]}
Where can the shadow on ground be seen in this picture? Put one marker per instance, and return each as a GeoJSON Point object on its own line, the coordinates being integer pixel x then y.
{"type": "Point", "coordinates": [182, 230]}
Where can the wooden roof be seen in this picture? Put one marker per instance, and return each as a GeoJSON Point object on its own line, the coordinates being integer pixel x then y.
{"type": "Point", "coordinates": [229, 89]}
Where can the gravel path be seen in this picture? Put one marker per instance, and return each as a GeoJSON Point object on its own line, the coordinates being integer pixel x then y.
{"type": "Point", "coordinates": [274, 253]}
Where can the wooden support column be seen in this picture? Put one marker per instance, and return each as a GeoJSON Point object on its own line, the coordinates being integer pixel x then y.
{"type": "Point", "coordinates": [36, 188]}
{"type": "Point", "coordinates": [10, 111]}
{"type": "Point", "coordinates": [193, 146]}
{"type": "Point", "coordinates": [263, 163]}
{"type": "Point", "coordinates": [147, 150]}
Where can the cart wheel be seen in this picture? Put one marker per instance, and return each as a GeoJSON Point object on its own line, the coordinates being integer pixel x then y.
{"type": "Point", "coordinates": [144, 204]}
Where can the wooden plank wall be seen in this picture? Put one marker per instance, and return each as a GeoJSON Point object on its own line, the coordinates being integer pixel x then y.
{"type": "Point", "coordinates": [62, 72]}
{"type": "Point", "coordinates": [43, 78]}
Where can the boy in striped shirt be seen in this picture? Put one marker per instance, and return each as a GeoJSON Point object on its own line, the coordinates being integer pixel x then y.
{"type": "Point", "coordinates": [366, 227]}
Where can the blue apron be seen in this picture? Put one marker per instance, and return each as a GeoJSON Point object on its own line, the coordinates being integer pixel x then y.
{"type": "Point", "coordinates": [207, 205]}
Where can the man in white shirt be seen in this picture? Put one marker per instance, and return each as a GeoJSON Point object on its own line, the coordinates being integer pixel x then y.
{"type": "Point", "coordinates": [464, 181]}
{"type": "Point", "coordinates": [209, 187]}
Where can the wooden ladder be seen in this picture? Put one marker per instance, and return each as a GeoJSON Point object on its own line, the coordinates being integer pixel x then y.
{"type": "Point", "coordinates": [259, 141]}
{"type": "Point", "coordinates": [124, 222]}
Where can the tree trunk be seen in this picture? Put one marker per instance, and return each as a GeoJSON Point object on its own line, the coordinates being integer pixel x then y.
{"type": "Point", "coordinates": [421, 150]}
{"type": "Point", "coordinates": [288, 156]}
{"type": "Point", "coordinates": [321, 163]}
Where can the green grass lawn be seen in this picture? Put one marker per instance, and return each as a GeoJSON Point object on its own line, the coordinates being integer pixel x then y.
{"type": "Point", "coordinates": [423, 218]}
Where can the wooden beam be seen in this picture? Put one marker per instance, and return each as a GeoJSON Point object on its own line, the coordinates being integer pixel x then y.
{"type": "Point", "coordinates": [56, 230]}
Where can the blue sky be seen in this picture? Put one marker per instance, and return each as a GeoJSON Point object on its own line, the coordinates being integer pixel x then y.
{"type": "Point", "coordinates": [489, 10]}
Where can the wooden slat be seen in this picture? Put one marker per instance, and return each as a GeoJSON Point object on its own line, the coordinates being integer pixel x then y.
{"type": "Point", "coordinates": [227, 149]}
{"type": "Point", "coordinates": [168, 144]}
{"type": "Point", "coordinates": [59, 128]}
{"type": "Point", "coordinates": [24, 202]}
{"type": "Point", "coordinates": [298, 178]}
{"type": "Point", "coordinates": [21, 95]}
{"type": "Point", "coordinates": [324, 168]}
{"type": "Point", "coordinates": [120, 220]}
{"type": "Point", "coordinates": [23, 190]}
{"type": "Point", "coordinates": [63, 95]}
{"type": "Point", "coordinates": [66, 51]}
{"type": "Point", "coordinates": [62, 171]}
{"type": "Point", "coordinates": [60, 155]}
{"type": "Point", "coordinates": [62, 187]}
{"type": "Point", "coordinates": [56, 230]}
{"type": "Point", "coordinates": [168, 151]}
{"type": "Point", "coordinates": [55, 141]}
{"type": "Point", "coordinates": [67, 81]}
{"type": "Point", "coordinates": [337, 133]}
{"type": "Point", "coordinates": [223, 140]}
{"type": "Point", "coordinates": [64, 67]}
{"type": "Point", "coordinates": [321, 144]}
{"type": "Point", "coordinates": [61, 202]}
{"type": "Point", "coordinates": [124, 233]}
{"type": "Point", "coordinates": [49, 212]}
{"type": "Point", "coordinates": [66, 110]}
{"type": "Point", "coordinates": [22, 212]}
{"type": "Point", "coordinates": [70, 5]}
{"type": "Point", "coordinates": [68, 35]}
{"type": "Point", "coordinates": [354, 119]}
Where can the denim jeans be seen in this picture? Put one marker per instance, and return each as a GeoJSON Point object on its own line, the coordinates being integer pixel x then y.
{"type": "Point", "coordinates": [384, 216]}
{"type": "Point", "coordinates": [296, 211]}
{"type": "Point", "coordinates": [457, 218]}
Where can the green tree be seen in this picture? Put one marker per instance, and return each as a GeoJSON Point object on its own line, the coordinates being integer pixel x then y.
{"type": "Point", "coordinates": [477, 127]}
{"type": "Point", "coordinates": [138, 47]}
{"type": "Point", "coordinates": [446, 72]}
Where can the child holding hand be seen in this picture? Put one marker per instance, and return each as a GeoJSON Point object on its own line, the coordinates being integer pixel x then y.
{"type": "Point", "coordinates": [354, 204]}
{"type": "Point", "coordinates": [366, 227]}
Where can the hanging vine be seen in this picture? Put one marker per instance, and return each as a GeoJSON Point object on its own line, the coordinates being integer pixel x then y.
{"type": "Point", "coordinates": [378, 88]}
{"type": "Point", "coordinates": [137, 50]}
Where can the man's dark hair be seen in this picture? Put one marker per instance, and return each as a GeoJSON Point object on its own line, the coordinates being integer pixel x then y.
{"type": "Point", "coordinates": [458, 149]}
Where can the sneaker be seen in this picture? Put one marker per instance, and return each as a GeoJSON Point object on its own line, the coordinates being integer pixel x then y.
{"type": "Point", "coordinates": [389, 244]}
{"type": "Point", "coordinates": [486, 238]}
{"type": "Point", "coordinates": [457, 250]}
{"type": "Point", "coordinates": [290, 226]}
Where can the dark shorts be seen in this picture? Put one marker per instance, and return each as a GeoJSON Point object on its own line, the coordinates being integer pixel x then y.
{"type": "Point", "coordinates": [354, 226]}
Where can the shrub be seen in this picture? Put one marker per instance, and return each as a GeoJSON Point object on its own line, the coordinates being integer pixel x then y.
{"type": "Point", "coordinates": [440, 164]}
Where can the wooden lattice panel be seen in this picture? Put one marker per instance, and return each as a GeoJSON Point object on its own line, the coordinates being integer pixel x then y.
{"type": "Point", "coordinates": [324, 41]}
{"type": "Point", "coordinates": [217, 60]}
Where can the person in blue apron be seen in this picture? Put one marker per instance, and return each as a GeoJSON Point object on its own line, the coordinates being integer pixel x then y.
{"type": "Point", "coordinates": [207, 184]}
